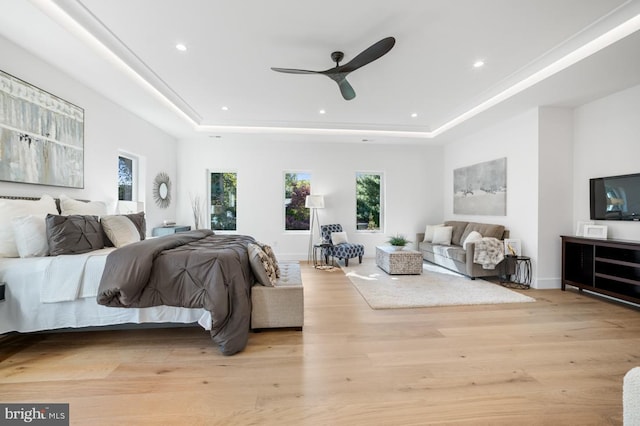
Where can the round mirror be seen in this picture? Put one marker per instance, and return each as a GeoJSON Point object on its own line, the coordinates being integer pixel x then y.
{"type": "Point", "coordinates": [162, 190]}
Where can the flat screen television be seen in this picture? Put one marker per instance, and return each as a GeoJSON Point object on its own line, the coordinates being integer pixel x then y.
{"type": "Point", "coordinates": [615, 197]}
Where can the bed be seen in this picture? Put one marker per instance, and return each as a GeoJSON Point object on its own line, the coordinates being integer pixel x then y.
{"type": "Point", "coordinates": [48, 292]}
{"type": "Point", "coordinates": [28, 279]}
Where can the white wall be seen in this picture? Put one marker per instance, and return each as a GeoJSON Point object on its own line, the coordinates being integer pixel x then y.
{"type": "Point", "coordinates": [607, 143]}
{"type": "Point", "coordinates": [412, 178]}
{"type": "Point", "coordinates": [517, 140]}
{"type": "Point", "coordinates": [555, 189]}
{"type": "Point", "coordinates": [108, 129]}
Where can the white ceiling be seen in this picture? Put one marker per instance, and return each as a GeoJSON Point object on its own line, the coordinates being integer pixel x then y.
{"type": "Point", "coordinates": [125, 49]}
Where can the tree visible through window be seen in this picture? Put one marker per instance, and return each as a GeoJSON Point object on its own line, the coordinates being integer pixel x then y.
{"type": "Point", "coordinates": [125, 178]}
{"type": "Point", "coordinates": [224, 201]}
{"type": "Point", "coordinates": [368, 201]}
{"type": "Point", "coordinates": [296, 188]}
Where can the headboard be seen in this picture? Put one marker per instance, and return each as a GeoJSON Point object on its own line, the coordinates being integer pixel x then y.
{"type": "Point", "coordinates": [20, 197]}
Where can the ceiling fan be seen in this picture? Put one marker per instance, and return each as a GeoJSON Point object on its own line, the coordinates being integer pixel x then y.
{"type": "Point", "coordinates": [339, 72]}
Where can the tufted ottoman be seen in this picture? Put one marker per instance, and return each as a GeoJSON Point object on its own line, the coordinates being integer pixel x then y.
{"type": "Point", "coordinates": [281, 305]}
{"type": "Point", "coordinates": [631, 397]}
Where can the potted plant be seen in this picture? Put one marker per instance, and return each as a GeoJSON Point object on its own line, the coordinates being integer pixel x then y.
{"type": "Point", "coordinates": [398, 241]}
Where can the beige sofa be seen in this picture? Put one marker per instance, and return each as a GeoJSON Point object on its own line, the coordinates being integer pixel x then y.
{"type": "Point", "coordinates": [456, 258]}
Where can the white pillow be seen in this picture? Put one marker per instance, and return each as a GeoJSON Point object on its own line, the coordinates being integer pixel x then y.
{"type": "Point", "coordinates": [69, 206]}
{"type": "Point", "coordinates": [428, 232]}
{"type": "Point", "coordinates": [471, 238]}
{"type": "Point", "coordinates": [442, 235]}
{"type": "Point", "coordinates": [120, 230]}
{"type": "Point", "coordinates": [10, 209]}
{"type": "Point", "coordinates": [339, 238]}
{"type": "Point", "coordinates": [31, 235]}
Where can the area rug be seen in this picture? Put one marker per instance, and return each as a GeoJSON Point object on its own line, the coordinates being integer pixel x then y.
{"type": "Point", "coordinates": [435, 287]}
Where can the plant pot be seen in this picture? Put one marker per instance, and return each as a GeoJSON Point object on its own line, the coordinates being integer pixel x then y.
{"type": "Point", "coordinates": [397, 248]}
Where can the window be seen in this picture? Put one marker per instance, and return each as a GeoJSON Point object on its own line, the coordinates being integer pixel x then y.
{"type": "Point", "coordinates": [296, 188]}
{"type": "Point", "coordinates": [369, 201]}
{"type": "Point", "coordinates": [127, 178]}
{"type": "Point", "coordinates": [224, 201]}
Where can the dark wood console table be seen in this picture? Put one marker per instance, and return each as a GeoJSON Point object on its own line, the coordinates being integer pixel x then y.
{"type": "Point", "coordinates": [610, 267]}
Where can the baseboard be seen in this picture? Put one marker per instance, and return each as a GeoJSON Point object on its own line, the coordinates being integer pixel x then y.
{"type": "Point", "coordinates": [547, 283]}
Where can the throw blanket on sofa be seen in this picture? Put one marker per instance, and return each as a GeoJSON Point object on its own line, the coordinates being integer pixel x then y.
{"type": "Point", "coordinates": [488, 252]}
{"type": "Point", "coordinates": [195, 269]}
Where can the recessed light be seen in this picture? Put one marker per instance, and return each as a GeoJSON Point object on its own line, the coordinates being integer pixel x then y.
{"type": "Point", "coordinates": [322, 111]}
{"type": "Point", "coordinates": [181, 47]}
{"type": "Point", "coordinates": [478, 64]}
{"type": "Point", "coordinates": [414, 115]}
{"type": "Point", "coordinates": [225, 108]}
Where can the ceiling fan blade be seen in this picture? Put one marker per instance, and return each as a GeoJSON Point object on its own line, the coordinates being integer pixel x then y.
{"type": "Point", "coordinates": [370, 54]}
{"type": "Point", "coordinates": [294, 71]}
{"type": "Point", "coordinates": [345, 88]}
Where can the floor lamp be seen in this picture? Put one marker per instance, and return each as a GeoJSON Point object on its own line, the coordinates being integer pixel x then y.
{"type": "Point", "coordinates": [313, 202]}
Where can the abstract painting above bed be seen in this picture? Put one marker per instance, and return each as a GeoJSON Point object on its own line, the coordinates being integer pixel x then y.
{"type": "Point", "coordinates": [195, 269]}
{"type": "Point", "coordinates": [41, 136]}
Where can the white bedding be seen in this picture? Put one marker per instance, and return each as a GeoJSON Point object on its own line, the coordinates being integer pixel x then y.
{"type": "Point", "coordinates": [46, 293]}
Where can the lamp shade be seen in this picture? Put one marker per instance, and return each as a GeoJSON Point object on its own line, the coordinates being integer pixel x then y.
{"type": "Point", "coordinates": [314, 202]}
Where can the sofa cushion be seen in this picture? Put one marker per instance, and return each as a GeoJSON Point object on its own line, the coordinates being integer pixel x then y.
{"type": "Point", "coordinates": [425, 246]}
{"type": "Point", "coordinates": [451, 252]}
{"type": "Point", "coordinates": [487, 230]}
{"type": "Point", "coordinates": [442, 235]}
{"type": "Point", "coordinates": [458, 230]}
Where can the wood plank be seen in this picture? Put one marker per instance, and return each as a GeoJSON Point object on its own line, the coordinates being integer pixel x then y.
{"type": "Point", "coordinates": [559, 360]}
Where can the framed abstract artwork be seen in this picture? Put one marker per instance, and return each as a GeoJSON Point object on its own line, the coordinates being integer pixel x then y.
{"type": "Point", "coordinates": [481, 189]}
{"type": "Point", "coordinates": [41, 136]}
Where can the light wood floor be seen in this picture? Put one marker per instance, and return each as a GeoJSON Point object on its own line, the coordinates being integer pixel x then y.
{"type": "Point", "coordinates": [558, 361]}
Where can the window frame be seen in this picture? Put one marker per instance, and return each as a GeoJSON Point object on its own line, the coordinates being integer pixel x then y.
{"type": "Point", "coordinates": [135, 171]}
{"type": "Point", "coordinates": [381, 225]}
{"type": "Point", "coordinates": [210, 206]}
{"type": "Point", "coordinates": [284, 201]}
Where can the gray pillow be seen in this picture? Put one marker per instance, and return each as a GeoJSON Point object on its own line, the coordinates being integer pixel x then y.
{"type": "Point", "coordinates": [73, 234]}
{"type": "Point", "coordinates": [261, 266]}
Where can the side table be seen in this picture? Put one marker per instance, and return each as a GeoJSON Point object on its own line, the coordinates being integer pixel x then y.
{"type": "Point", "coordinates": [168, 230]}
{"type": "Point", "coordinates": [323, 263]}
{"type": "Point", "coordinates": [517, 272]}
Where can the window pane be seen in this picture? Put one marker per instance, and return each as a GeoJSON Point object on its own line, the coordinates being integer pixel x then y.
{"type": "Point", "coordinates": [223, 201]}
{"type": "Point", "coordinates": [296, 188]}
{"type": "Point", "coordinates": [125, 179]}
{"type": "Point", "coordinates": [368, 201]}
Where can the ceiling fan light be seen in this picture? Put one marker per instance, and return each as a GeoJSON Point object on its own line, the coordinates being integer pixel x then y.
{"type": "Point", "coordinates": [181, 47]}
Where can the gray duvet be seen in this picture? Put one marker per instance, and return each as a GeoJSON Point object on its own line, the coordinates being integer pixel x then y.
{"type": "Point", "coordinates": [195, 269]}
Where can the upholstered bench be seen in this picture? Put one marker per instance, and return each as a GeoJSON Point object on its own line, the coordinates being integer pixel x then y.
{"type": "Point", "coordinates": [281, 305]}
{"type": "Point", "coordinates": [631, 397]}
